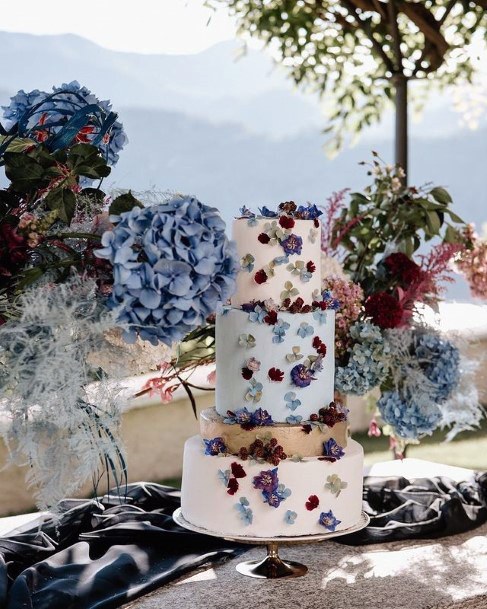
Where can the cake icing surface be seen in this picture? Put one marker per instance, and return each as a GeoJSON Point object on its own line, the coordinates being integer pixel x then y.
{"type": "Point", "coordinates": [274, 457]}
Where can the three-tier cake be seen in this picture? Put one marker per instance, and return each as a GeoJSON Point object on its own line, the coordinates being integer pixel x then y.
{"type": "Point", "coordinates": [274, 457]}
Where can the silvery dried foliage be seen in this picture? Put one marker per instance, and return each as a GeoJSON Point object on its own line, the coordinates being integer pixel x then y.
{"type": "Point", "coordinates": [63, 434]}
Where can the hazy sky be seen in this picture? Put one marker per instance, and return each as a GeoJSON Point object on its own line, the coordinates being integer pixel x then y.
{"type": "Point", "coordinates": [142, 26]}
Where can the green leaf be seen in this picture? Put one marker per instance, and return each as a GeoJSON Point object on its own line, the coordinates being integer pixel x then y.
{"type": "Point", "coordinates": [25, 173]}
{"type": "Point", "coordinates": [455, 218]}
{"type": "Point", "coordinates": [441, 195]}
{"type": "Point", "coordinates": [86, 160]}
{"type": "Point", "coordinates": [452, 235]}
{"type": "Point", "coordinates": [64, 201]}
{"type": "Point", "coordinates": [125, 202]}
{"type": "Point", "coordinates": [433, 221]}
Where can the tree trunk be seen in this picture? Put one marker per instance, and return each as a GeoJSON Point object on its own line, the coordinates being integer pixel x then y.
{"type": "Point", "coordinates": [401, 149]}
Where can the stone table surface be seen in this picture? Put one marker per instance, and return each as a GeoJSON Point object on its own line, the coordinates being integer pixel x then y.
{"type": "Point", "coordinates": [447, 573]}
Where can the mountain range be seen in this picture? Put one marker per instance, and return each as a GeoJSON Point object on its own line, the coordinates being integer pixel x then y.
{"type": "Point", "coordinates": [235, 131]}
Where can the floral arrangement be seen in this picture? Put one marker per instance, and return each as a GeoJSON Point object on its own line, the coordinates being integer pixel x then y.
{"type": "Point", "coordinates": [82, 275]}
{"type": "Point", "coordinates": [382, 341]}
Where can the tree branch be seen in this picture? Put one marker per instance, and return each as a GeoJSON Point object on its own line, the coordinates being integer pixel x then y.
{"type": "Point", "coordinates": [396, 36]}
{"type": "Point", "coordinates": [364, 25]}
{"type": "Point", "coordinates": [427, 46]}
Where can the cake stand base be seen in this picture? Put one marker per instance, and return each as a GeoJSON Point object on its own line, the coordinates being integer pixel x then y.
{"type": "Point", "coordinates": [272, 567]}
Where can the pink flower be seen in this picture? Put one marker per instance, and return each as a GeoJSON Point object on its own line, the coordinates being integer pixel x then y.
{"type": "Point", "coordinates": [211, 378]}
{"type": "Point", "coordinates": [374, 429]}
{"type": "Point", "coordinates": [253, 364]}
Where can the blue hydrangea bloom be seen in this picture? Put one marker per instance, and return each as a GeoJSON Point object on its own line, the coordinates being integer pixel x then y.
{"type": "Point", "coordinates": [367, 366]}
{"type": "Point", "coordinates": [244, 510]}
{"type": "Point", "coordinates": [257, 315]}
{"type": "Point", "coordinates": [291, 401]}
{"type": "Point", "coordinates": [172, 264]}
{"type": "Point", "coordinates": [267, 213]}
{"type": "Point", "coordinates": [440, 360]}
{"type": "Point", "coordinates": [279, 331]}
{"type": "Point", "coordinates": [411, 418]}
{"type": "Point", "coordinates": [57, 107]}
{"type": "Point", "coordinates": [305, 330]}
{"type": "Point", "coordinates": [290, 517]}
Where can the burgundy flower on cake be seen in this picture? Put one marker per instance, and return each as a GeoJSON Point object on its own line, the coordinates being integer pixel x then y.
{"type": "Point", "coordinates": [286, 222]}
{"type": "Point", "coordinates": [247, 373]}
{"type": "Point", "coordinates": [214, 446]}
{"type": "Point", "coordinates": [301, 376]}
{"type": "Point", "coordinates": [260, 277]}
{"type": "Point", "coordinates": [276, 375]}
{"type": "Point", "coordinates": [271, 318]}
{"type": "Point", "coordinates": [237, 470]}
{"type": "Point", "coordinates": [332, 414]}
{"type": "Point", "coordinates": [310, 267]}
{"type": "Point", "coordinates": [292, 244]}
{"type": "Point", "coordinates": [328, 520]}
{"type": "Point", "coordinates": [267, 480]}
{"type": "Point", "coordinates": [319, 345]}
{"type": "Point", "coordinates": [232, 486]}
{"type": "Point", "coordinates": [263, 238]}
{"type": "Point", "coordinates": [332, 451]}
{"type": "Point", "coordinates": [306, 428]}
{"type": "Point", "coordinates": [312, 503]}
{"type": "Point", "coordinates": [385, 310]}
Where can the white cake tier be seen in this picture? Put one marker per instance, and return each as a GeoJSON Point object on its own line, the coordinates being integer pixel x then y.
{"type": "Point", "coordinates": [206, 503]}
{"type": "Point", "coordinates": [292, 438]}
{"type": "Point", "coordinates": [257, 256]}
{"type": "Point", "coordinates": [285, 346]}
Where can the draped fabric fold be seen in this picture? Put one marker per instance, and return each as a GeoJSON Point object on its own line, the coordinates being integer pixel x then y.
{"type": "Point", "coordinates": [102, 554]}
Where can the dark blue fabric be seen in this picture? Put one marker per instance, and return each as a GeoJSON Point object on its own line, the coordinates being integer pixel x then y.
{"type": "Point", "coordinates": [100, 555]}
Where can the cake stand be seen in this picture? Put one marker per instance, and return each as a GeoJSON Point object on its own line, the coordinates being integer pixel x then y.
{"type": "Point", "coordinates": [272, 566]}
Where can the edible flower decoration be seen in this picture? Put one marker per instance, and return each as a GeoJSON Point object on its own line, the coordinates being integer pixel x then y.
{"type": "Point", "coordinates": [319, 345]}
{"type": "Point", "coordinates": [312, 503]}
{"type": "Point", "coordinates": [263, 452]}
{"type": "Point", "coordinates": [248, 420]}
{"type": "Point", "coordinates": [246, 340]}
{"type": "Point", "coordinates": [335, 484]}
{"type": "Point", "coordinates": [292, 245]}
{"type": "Point", "coordinates": [305, 330]}
{"type": "Point", "coordinates": [328, 520]}
{"type": "Point", "coordinates": [301, 376]}
{"type": "Point", "coordinates": [254, 392]}
{"type": "Point", "coordinates": [290, 517]}
{"type": "Point", "coordinates": [237, 471]}
{"type": "Point", "coordinates": [334, 413]}
{"type": "Point", "coordinates": [295, 356]}
{"type": "Point", "coordinates": [247, 263]}
{"type": "Point", "coordinates": [215, 446]}
{"type": "Point", "coordinates": [291, 400]}
{"type": "Point", "coordinates": [331, 451]}
{"type": "Point", "coordinates": [272, 492]}
{"type": "Point", "coordinates": [244, 510]}
{"type": "Point", "coordinates": [275, 375]}
{"type": "Point", "coordinates": [279, 331]}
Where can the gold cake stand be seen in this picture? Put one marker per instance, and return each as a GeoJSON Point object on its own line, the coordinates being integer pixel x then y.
{"type": "Point", "coordinates": [272, 566]}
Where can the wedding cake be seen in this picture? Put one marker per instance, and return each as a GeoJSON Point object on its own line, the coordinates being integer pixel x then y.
{"type": "Point", "coordinates": [274, 457]}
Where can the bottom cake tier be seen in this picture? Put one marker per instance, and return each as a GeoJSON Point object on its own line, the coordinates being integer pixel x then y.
{"type": "Point", "coordinates": [230, 496]}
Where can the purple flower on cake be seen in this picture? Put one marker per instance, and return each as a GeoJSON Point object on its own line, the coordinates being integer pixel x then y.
{"type": "Point", "coordinates": [332, 451]}
{"type": "Point", "coordinates": [261, 417]}
{"type": "Point", "coordinates": [328, 520]}
{"type": "Point", "coordinates": [238, 417]}
{"type": "Point", "coordinates": [215, 446]}
{"type": "Point", "coordinates": [292, 244]}
{"type": "Point", "coordinates": [267, 213]}
{"type": "Point", "coordinates": [301, 376]}
{"type": "Point", "coordinates": [274, 498]}
{"type": "Point", "coordinates": [267, 481]}
{"type": "Point", "coordinates": [310, 212]}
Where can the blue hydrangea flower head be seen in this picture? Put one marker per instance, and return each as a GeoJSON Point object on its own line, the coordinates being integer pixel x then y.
{"type": "Point", "coordinates": [411, 418]}
{"type": "Point", "coordinates": [172, 265]}
{"type": "Point", "coordinates": [441, 363]}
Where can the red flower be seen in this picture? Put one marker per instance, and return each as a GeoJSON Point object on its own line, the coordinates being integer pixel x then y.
{"type": "Point", "coordinates": [271, 318]}
{"type": "Point", "coordinates": [276, 375]}
{"type": "Point", "coordinates": [384, 309]}
{"type": "Point", "coordinates": [403, 268]}
{"type": "Point", "coordinates": [306, 428]}
{"type": "Point", "coordinates": [232, 486]}
{"type": "Point", "coordinates": [260, 277]}
{"type": "Point", "coordinates": [263, 238]}
{"type": "Point", "coordinates": [316, 222]}
{"type": "Point", "coordinates": [237, 470]}
{"type": "Point", "coordinates": [297, 305]}
{"type": "Point", "coordinates": [312, 503]}
{"type": "Point", "coordinates": [310, 267]}
{"type": "Point", "coordinates": [83, 133]}
{"type": "Point", "coordinates": [247, 373]}
{"type": "Point", "coordinates": [286, 222]}
{"type": "Point", "coordinates": [319, 345]}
